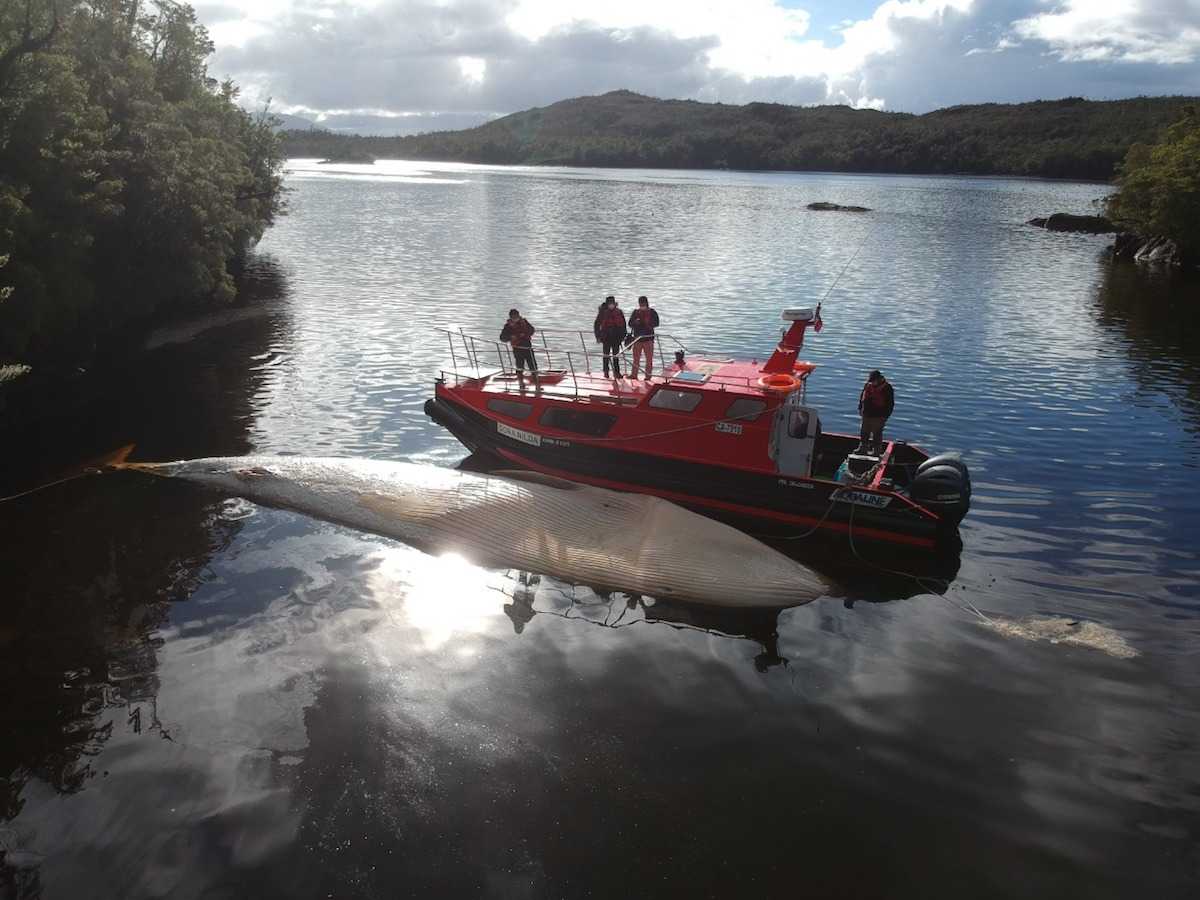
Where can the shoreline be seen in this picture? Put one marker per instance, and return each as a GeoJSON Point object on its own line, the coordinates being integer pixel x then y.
{"type": "Point", "coordinates": [991, 176]}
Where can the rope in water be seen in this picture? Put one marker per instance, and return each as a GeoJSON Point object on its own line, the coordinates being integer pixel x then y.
{"type": "Point", "coordinates": [941, 584]}
{"type": "Point", "coordinates": [42, 487]}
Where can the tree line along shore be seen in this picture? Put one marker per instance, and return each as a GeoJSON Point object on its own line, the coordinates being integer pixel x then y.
{"type": "Point", "coordinates": [1071, 138]}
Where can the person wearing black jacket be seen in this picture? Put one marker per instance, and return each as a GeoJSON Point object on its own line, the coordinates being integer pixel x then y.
{"type": "Point", "coordinates": [875, 403]}
{"type": "Point", "coordinates": [642, 322]}
{"type": "Point", "coordinates": [610, 331]}
{"type": "Point", "coordinates": [518, 334]}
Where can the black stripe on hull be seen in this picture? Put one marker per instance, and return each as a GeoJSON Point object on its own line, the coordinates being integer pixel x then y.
{"type": "Point", "coordinates": [760, 503]}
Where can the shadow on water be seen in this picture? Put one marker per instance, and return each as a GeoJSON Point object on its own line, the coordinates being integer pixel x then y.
{"type": "Point", "coordinates": [616, 610]}
{"type": "Point", "coordinates": [190, 394]}
{"type": "Point", "coordinates": [1156, 311]}
{"type": "Point", "coordinates": [92, 566]}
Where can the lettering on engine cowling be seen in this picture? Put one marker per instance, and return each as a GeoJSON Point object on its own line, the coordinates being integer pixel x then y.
{"type": "Point", "coordinates": [860, 498]}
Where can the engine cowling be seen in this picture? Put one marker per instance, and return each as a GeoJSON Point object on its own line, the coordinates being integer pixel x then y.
{"type": "Point", "coordinates": [943, 485]}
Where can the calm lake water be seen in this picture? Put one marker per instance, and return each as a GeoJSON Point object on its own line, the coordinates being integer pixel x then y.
{"type": "Point", "coordinates": [202, 698]}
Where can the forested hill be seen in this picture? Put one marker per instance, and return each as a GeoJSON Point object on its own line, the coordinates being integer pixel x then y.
{"type": "Point", "coordinates": [1070, 138]}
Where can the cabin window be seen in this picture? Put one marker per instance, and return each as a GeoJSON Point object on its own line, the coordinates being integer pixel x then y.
{"type": "Point", "coordinates": [680, 401]}
{"type": "Point", "coordinates": [745, 409]}
{"type": "Point", "coordinates": [510, 408]}
{"type": "Point", "coordinates": [590, 423]}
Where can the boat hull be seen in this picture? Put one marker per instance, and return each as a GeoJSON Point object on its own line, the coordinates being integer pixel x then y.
{"type": "Point", "coordinates": [764, 504]}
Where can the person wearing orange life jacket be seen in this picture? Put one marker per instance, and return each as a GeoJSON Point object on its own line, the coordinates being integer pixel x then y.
{"type": "Point", "coordinates": [875, 403]}
{"type": "Point", "coordinates": [610, 331]}
{"type": "Point", "coordinates": [642, 322]}
{"type": "Point", "coordinates": [518, 334]}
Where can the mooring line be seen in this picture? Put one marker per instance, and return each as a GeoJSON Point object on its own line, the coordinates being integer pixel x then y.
{"type": "Point", "coordinates": [923, 580]}
{"type": "Point", "coordinates": [42, 487]}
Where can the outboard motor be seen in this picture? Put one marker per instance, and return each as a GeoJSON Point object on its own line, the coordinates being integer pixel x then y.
{"type": "Point", "coordinates": [943, 485]}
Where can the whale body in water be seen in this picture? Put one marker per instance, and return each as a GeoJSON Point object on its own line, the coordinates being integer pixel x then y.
{"type": "Point", "coordinates": [581, 534]}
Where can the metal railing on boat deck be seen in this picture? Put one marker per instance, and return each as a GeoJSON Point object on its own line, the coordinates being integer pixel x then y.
{"type": "Point", "coordinates": [474, 358]}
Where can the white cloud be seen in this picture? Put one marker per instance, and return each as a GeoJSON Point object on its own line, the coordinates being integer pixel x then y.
{"type": "Point", "coordinates": [756, 38]}
{"type": "Point", "coordinates": [1161, 33]}
{"type": "Point", "coordinates": [482, 57]}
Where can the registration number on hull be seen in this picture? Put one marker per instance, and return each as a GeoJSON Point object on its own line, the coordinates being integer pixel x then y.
{"type": "Point", "coordinates": [525, 437]}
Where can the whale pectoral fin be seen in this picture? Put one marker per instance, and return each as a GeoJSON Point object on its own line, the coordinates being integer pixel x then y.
{"type": "Point", "coordinates": [537, 478]}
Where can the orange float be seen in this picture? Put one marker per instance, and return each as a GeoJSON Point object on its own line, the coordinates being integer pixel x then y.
{"type": "Point", "coordinates": [780, 382]}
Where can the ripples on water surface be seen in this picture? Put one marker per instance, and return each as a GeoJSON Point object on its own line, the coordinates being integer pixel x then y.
{"type": "Point", "coordinates": [205, 698]}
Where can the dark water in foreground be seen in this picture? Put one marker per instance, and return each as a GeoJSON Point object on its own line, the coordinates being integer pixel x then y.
{"type": "Point", "coordinates": [201, 698]}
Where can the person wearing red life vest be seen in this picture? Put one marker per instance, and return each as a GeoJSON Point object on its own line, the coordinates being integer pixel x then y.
{"type": "Point", "coordinates": [642, 322]}
{"type": "Point", "coordinates": [518, 334]}
{"type": "Point", "coordinates": [875, 403]}
{"type": "Point", "coordinates": [610, 331]}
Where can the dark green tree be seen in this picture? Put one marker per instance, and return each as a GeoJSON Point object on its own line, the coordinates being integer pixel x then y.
{"type": "Point", "coordinates": [1159, 186]}
{"type": "Point", "coordinates": [131, 183]}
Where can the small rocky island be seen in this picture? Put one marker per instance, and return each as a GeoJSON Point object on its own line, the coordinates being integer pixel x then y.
{"type": "Point", "coordinates": [823, 206]}
{"type": "Point", "coordinates": [1068, 222]}
{"type": "Point", "coordinates": [350, 156]}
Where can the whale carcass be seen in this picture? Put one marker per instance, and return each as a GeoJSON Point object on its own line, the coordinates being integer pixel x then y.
{"type": "Point", "coordinates": [586, 535]}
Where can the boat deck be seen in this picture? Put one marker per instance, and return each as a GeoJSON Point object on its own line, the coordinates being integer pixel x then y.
{"type": "Point", "coordinates": [582, 387]}
{"type": "Point", "coordinates": [576, 375]}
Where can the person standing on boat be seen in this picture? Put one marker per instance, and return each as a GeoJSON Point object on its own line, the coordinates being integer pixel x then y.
{"type": "Point", "coordinates": [610, 331]}
{"type": "Point", "coordinates": [875, 403]}
{"type": "Point", "coordinates": [642, 322]}
{"type": "Point", "coordinates": [518, 334]}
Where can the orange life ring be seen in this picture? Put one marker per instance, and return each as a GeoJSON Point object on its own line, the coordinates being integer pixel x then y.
{"type": "Point", "coordinates": [779, 381]}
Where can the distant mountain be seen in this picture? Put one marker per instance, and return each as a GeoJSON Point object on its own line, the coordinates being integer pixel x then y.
{"type": "Point", "coordinates": [1070, 138]}
{"type": "Point", "coordinates": [295, 123]}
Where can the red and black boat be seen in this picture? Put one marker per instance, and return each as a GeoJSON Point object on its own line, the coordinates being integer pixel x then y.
{"type": "Point", "coordinates": [735, 440]}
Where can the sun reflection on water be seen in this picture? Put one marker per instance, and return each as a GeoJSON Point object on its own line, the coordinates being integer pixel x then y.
{"type": "Point", "coordinates": [443, 597]}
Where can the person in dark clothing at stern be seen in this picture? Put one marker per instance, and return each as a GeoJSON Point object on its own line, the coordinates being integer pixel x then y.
{"type": "Point", "coordinates": [518, 334]}
{"type": "Point", "coordinates": [875, 403]}
{"type": "Point", "coordinates": [610, 331]}
{"type": "Point", "coordinates": [642, 322]}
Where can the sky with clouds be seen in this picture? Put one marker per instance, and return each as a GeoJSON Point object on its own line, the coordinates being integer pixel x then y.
{"type": "Point", "coordinates": [398, 66]}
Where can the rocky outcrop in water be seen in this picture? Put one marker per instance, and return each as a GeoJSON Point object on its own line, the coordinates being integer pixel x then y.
{"type": "Point", "coordinates": [1127, 245]}
{"type": "Point", "coordinates": [348, 157]}
{"type": "Point", "coordinates": [822, 206]}
{"type": "Point", "coordinates": [1069, 222]}
{"type": "Point", "coordinates": [1156, 250]}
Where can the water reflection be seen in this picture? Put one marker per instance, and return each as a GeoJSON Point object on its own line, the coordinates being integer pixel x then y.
{"type": "Point", "coordinates": [531, 598]}
{"type": "Point", "coordinates": [207, 698]}
{"type": "Point", "coordinates": [1155, 312]}
{"type": "Point", "coordinates": [92, 567]}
